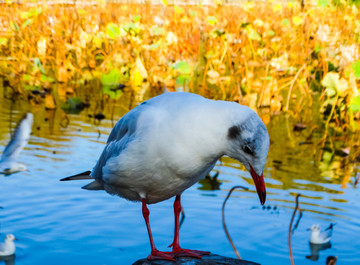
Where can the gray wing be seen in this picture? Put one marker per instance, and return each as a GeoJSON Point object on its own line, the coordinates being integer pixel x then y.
{"type": "Point", "coordinates": [19, 139]}
{"type": "Point", "coordinates": [120, 136]}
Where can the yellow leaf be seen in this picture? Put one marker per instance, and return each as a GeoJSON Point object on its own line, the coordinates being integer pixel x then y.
{"type": "Point", "coordinates": [258, 22]}
{"type": "Point", "coordinates": [141, 68]}
{"type": "Point", "coordinates": [353, 86]}
{"type": "Point", "coordinates": [179, 10]}
{"type": "Point", "coordinates": [297, 20]}
{"type": "Point", "coordinates": [41, 46]}
{"type": "Point", "coordinates": [62, 74]}
{"type": "Point", "coordinates": [213, 77]}
{"type": "Point", "coordinates": [3, 41]}
{"type": "Point", "coordinates": [165, 3]}
{"type": "Point", "coordinates": [277, 8]}
{"type": "Point", "coordinates": [136, 80]}
{"type": "Point", "coordinates": [249, 5]}
{"type": "Point", "coordinates": [49, 102]}
{"type": "Point", "coordinates": [84, 39]}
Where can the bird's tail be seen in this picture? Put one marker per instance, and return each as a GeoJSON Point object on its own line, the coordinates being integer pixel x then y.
{"type": "Point", "coordinates": [83, 175]}
{"type": "Point", "coordinates": [331, 226]}
{"type": "Point", "coordinates": [95, 185]}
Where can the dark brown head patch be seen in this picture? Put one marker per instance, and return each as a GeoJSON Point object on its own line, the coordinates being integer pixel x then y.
{"type": "Point", "coordinates": [233, 132]}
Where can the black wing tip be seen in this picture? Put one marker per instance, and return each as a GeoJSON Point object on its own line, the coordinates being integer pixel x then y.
{"type": "Point", "coordinates": [83, 175]}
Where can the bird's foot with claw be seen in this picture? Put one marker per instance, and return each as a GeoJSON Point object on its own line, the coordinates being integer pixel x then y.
{"type": "Point", "coordinates": [161, 255]}
{"type": "Point", "coordinates": [181, 252]}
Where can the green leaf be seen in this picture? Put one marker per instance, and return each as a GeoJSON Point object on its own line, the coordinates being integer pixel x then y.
{"type": "Point", "coordinates": [183, 80]}
{"type": "Point", "coordinates": [136, 18]}
{"type": "Point", "coordinates": [81, 12]}
{"type": "Point", "coordinates": [212, 20]}
{"type": "Point", "coordinates": [159, 31]}
{"type": "Point", "coordinates": [112, 92]}
{"type": "Point", "coordinates": [154, 46]}
{"type": "Point", "coordinates": [31, 88]}
{"type": "Point", "coordinates": [285, 22]}
{"type": "Point", "coordinates": [111, 79]}
{"type": "Point", "coordinates": [26, 78]}
{"type": "Point", "coordinates": [45, 78]}
{"type": "Point", "coordinates": [3, 41]}
{"type": "Point", "coordinates": [112, 30]}
{"type": "Point", "coordinates": [297, 20]}
{"type": "Point", "coordinates": [27, 23]}
{"type": "Point", "coordinates": [217, 33]}
{"type": "Point", "coordinates": [14, 26]}
{"type": "Point", "coordinates": [355, 104]}
{"type": "Point", "coordinates": [356, 68]}
{"type": "Point", "coordinates": [334, 85]}
{"type": "Point", "coordinates": [179, 10]}
{"type": "Point", "coordinates": [323, 3]}
{"type": "Point", "coordinates": [131, 28]}
{"type": "Point", "coordinates": [252, 34]}
{"type": "Point", "coordinates": [182, 67]}
{"type": "Point", "coordinates": [270, 33]}
{"type": "Point", "coordinates": [38, 66]}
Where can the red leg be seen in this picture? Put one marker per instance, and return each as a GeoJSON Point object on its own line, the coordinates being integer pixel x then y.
{"type": "Point", "coordinates": [176, 249]}
{"type": "Point", "coordinates": [155, 254]}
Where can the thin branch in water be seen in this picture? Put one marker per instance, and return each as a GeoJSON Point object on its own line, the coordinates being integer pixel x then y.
{"type": "Point", "coordinates": [223, 220]}
{"type": "Point", "coordinates": [297, 222]}
{"type": "Point", "coordinates": [182, 217]}
{"type": "Point", "coordinates": [289, 235]}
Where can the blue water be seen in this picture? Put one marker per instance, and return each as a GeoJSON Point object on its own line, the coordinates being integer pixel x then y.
{"type": "Point", "coordinates": [59, 223]}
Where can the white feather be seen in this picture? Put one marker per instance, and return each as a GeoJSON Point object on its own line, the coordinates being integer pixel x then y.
{"type": "Point", "coordinates": [168, 143]}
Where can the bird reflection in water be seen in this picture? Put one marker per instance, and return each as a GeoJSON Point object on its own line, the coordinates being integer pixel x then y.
{"type": "Point", "coordinates": [315, 249]}
{"type": "Point", "coordinates": [9, 260]}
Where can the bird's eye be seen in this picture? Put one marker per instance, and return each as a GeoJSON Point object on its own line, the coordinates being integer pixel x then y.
{"type": "Point", "coordinates": [247, 150]}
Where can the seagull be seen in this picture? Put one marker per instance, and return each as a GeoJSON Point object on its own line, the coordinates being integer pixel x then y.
{"type": "Point", "coordinates": [318, 236]}
{"type": "Point", "coordinates": [8, 247]}
{"type": "Point", "coordinates": [8, 162]}
{"type": "Point", "coordinates": [167, 144]}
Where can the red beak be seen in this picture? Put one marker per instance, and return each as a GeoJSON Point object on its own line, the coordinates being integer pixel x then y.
{"type": "Point", "coordinates": [260, 185]}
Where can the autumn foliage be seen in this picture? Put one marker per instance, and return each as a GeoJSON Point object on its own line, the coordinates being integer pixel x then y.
{"type": "Point", "coordinates": [266, 55]}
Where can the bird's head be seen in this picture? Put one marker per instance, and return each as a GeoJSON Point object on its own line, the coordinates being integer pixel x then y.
{"type": "Point", "coordinates": [10, 237]}
{"type": "Point", "coordinates": [314, 228]}
{"type": "Point", "coordinates": [249, 143]}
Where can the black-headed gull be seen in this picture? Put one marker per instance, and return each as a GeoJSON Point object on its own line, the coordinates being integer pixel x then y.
{"type": "Point", "coordinates": [8, 247]}
{"type": "Point", "coordinates": [168, 143]}
{"type": "Point", "coordinates": [318, 236]}
{"type": "Point", "coordinates": [8, 162]}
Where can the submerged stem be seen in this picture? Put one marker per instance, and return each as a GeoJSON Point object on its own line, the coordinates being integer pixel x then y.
{"type": "Point", "coordinates": [289, 235]}
{"type": "Point", "coordinates": [223, 219]}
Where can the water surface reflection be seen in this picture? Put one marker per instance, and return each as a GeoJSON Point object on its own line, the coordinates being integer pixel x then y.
{"type": "Point", "coordinates": [63, 224]}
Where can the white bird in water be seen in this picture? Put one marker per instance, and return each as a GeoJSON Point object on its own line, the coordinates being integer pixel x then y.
{"type": "Point", "coordinates": [8, 162]}
{"type": "Point", "coordinates": [318, 236]}
{"type": "Point", "coordinates": [8, 247]}
{"type": "Point", "coordinates": [168, 143]}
